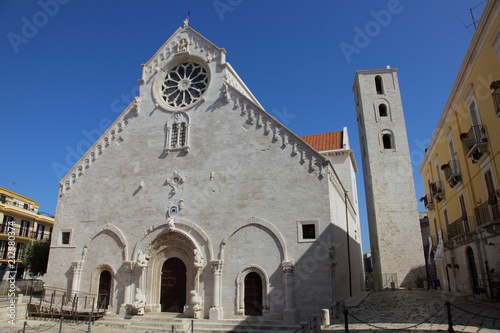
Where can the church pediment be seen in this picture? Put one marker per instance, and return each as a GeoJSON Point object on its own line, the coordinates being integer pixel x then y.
{"type": "Point", "coordinates": [176, 80]}
{"type": "Point", "coordinates": [185, 41]}
{"type": "Point", "coordinates": [187, 45]}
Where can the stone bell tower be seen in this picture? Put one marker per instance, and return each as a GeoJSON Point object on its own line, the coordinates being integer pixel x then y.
{"type": "Point", "coordinates": [393, 219]}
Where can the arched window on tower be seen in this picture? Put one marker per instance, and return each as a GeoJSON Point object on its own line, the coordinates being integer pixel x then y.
{"type": "Point", "coordinates": [387, 140]}
{"type": "Point", "coordinates": [382, 110]}
{"type": "Point", "coordinates": [378, 85]}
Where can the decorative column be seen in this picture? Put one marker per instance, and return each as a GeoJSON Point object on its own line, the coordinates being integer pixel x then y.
{"type": "Point", "coordinates": [216, 309]}
{"type": "Point", "coordinates": [289, 313]}
{"type": "Point", "coordinates": [77, 267]}
{"type": "Point", "coordinates": [128, 266]}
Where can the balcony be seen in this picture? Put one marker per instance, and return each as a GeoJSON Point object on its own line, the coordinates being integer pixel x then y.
{"type": "Point", "coordinates": [495, 86]}
{"type": "Point", "coordinates": [451, 173]}
{"type": "Point", "coordinates": [475, 142]}
{"type": "Point", "coordinates": [437, 191]}
{"type": "Point", "coordinates": [488, 217]}
{"type": "Point", "coordinates": [24, 232]}
{"type": "Point", "coordinates": [462, 230]}
{"type": "Point", "coordinates": [428, 202]}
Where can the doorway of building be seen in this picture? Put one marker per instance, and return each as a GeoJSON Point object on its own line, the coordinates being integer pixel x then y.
{"type": "Point", "coordinates": [173, 285]}
{"type": "Point", "coordinates": [104, 289]}
{"type": "Point", "coordinates": [253, 294]}
{"type": "Point", "coordinates": [473, 270]}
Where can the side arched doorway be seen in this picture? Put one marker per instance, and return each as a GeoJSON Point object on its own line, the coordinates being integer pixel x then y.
{"type": "Point", "coordinates": [173, 285]}
{"type": "Point", "coordinates": [253, 294]}
{"type": "Point", "coordinates": [104, 292]}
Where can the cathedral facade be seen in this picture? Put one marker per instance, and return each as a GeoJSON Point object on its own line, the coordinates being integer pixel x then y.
{"type": "Point", "coordinates": [197, 201]}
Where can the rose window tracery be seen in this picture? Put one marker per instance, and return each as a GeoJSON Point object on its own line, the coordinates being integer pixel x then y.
{"type": "Point", "coordinates": [184, 85]}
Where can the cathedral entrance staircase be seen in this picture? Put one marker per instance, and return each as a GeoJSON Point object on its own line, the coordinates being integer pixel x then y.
{"type": "Point", "coordinates": [171, 322]}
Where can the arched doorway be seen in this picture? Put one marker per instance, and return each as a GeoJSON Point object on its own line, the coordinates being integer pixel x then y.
{"type": "Point", "coordinates": [473, 270]}
{"type": "Point", "coordinates": [173, 285]}
{"type": "Point", "coordinates": [253, 294]}
{"type": "Point", "coordinates": [104, 289]}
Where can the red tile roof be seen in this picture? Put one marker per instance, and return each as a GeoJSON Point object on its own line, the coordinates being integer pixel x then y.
{"type": "Point", "coordinates": [324, 142]}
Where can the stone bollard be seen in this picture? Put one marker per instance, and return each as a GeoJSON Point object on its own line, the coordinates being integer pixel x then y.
{"type": "Point", "coordinates": [317, 320]}
{"type": "Point", "coordinates": [304, 327]}
{"type": "Point", "coordinates": [326, 317]}
{"type": "Point", "coordinates": [393, 286]}
{"type": "Point", "coordinates": [20, 298]}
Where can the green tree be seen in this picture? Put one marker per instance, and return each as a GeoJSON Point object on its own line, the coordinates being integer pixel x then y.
{"type": "Point", "coordinates": [36, 257]}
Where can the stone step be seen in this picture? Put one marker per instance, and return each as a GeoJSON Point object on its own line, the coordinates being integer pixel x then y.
{"type": "Point", "coordinates": [162, 322]}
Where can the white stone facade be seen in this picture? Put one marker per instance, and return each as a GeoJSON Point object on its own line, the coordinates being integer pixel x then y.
{"type": "Point", "coordinates": [393, 218]}
{"type": "Point", "coordinates": [208, 184]}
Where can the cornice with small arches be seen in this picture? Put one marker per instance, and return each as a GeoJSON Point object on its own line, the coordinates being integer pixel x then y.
{"type": "Point", "coordinates": [259, 119]}
{"type": "Point", "coordinates": [111, 135]}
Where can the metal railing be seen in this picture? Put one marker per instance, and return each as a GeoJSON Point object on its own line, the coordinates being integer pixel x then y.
{"type": "Point", "coordinates": [486, 213]}
{"type": "Point", "coordinates": [428, 202]}
{"type": "Point", "coordinates": [474, 137]}
{"type": "Point", "coordinates": [451, 172]}
{"type": "Point", "coordinates": [25, 232]}
{"type": "Point", "coordinates": [496, 96]}
{"type": "Point", "coordinates": [56, 303]}
{"type": "Point", "coordinates": [461, 226]}
{"type": "Point", "coordinates": [437, 190]}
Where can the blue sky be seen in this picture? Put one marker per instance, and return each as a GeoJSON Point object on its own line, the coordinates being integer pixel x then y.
{"type": "Point", "coordinates": [69, 68]}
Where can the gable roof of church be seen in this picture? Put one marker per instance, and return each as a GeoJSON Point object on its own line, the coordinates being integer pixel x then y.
{"type": "Point", "coordinates": [325, 142]}
{"type": "Point", "coordinates": [233, 91]}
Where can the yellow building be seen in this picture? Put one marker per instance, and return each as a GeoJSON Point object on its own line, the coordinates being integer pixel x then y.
{"type": "Point", "coordinates": [22, 223]}
{"type": "Point", "coordinates": [460, 170]}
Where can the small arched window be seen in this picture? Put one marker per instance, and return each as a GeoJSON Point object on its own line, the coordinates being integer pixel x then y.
{"type": "Point", "coordinates": [378, 85]}
{"type": "Point", "coordinates": [178, 135]}
{"type": "Point", "coordinates": [177, 132]}
{"type": "Point", "coordinates": [387, 141]}
{"type": "Point", "coordinates": [382, 110]}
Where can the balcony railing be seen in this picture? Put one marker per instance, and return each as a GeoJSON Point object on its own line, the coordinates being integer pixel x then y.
{"type": "Point", "coordinates": [451, 173]}
{"type": "Point", "coordinates": [488, 216]}
{"type": "Point", "coordinates": [437, 191]}
{"type": "Point", "coordinates": [461, 226]}
{"type": "Point", "coordinates": [25, 232]}
{"type": "Point", "coordinates": [475, 142]}
{"type": "Point", "coordinates": [428, 202]}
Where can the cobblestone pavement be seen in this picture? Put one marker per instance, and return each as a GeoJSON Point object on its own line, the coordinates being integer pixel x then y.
{"type": "Point", "coordinates": [384, 311]}
{"type": "Point", "coordinates": [402, 310]}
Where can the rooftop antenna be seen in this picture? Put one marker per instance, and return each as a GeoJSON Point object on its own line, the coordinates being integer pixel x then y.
{"type": "Point", "coordinates": [13, 186]}
{"type": "Point", "coordinates": [474, 21]}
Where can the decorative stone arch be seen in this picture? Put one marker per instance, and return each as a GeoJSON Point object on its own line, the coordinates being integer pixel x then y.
{"type": "Point", "coordinates": [187, 228]}
{"type": "Point", "coordinates": [113, 230]}
{"type": "Point", "coordinates": [94, 281]}
{"type": "Point", "coordinates": [262, 223]}
{"type": "Point", "coordinates": [240, 288]}
{"type": "Point", "coordinates": [170, 244]}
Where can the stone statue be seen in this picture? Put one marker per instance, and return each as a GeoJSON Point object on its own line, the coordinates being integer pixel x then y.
{"type": "Point", "coordinates": [198, 258]}
{"type": "Point", "coordinates": [196, 304]}
{"type": "Point", "coordinates": [139, 302]}
{"type": "Point", "coordinates": [171, 223]}
{"type": "Point", "coordinates": [142, 261]}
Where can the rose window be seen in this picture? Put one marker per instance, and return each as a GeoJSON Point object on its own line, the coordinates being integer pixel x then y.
{"type": "Point", "coordinates": [184, 85]}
